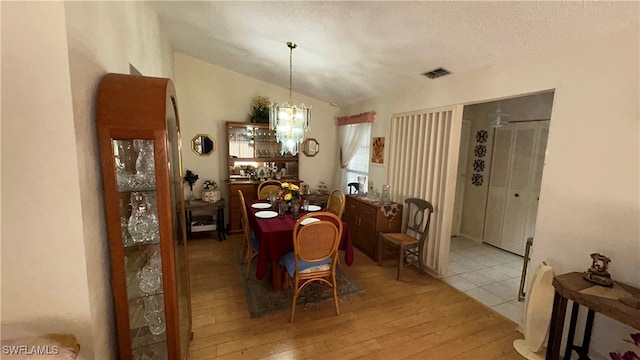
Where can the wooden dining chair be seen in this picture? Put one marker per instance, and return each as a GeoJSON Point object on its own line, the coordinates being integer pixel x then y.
{"type": "Point", "coordinates": [268, 187]}
{"type": "Point", "coordinates": [315, 255]}
{"type": "Point", "coordinates": [336, 202]}
{"type": "Point", "coordinates": [250, 244]}
{"type": "Point", "coordinates": [412, 241]}
{"type": "Point", "coordinates": [354, 188]}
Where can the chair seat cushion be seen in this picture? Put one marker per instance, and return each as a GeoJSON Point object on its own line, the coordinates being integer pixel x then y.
{"type": "Point", "coordinates": [288, 261]}
{"type": "Point", "coordinates": [401, 239]}
{"type": "Point", "coordinates": [254, 242]}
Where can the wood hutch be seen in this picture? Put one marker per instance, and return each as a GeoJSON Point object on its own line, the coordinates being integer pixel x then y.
{"type": "Point", "coordinates": [253, 154]}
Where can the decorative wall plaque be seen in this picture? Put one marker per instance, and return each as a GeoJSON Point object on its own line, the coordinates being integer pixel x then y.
{"type": "Point", "coordinates": [480, 151]}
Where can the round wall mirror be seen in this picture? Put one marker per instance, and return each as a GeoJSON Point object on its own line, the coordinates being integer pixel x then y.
{"type": "Point", "coordinates": [203, 145]}
{"type": "Point", "coordinates": [310, 147]}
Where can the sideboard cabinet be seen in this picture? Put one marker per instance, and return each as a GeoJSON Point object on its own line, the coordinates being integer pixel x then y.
{"type": "Point", "coordinates": [139, 135]}
{"type": "Point", "coordinates": [366, 219]}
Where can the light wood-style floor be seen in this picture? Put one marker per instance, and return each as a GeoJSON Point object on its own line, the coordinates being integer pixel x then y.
{"type": "Point", "coordinates": [418, 318]}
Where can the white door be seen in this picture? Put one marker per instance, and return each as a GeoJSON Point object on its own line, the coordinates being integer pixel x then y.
{"type": "Point", "coordinates": [516, 171]}
{"type": "Point", "coordinates": [462, 176]}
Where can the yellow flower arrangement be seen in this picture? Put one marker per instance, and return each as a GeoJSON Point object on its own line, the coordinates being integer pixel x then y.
{"type": "Point", "coordinates": [289, 192]}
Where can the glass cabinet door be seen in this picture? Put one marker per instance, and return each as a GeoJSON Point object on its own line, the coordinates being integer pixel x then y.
{"type": "Point", "coordinates": [179, 227]}
{"type": "Point", "coordinates": [136, 182]}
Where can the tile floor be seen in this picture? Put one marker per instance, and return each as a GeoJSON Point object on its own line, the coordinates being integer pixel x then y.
{"type": "Point", "coordinates": [487, 274]}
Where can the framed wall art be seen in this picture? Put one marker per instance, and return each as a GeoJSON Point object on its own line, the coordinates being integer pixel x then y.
{"type": "Point", "coordinates": [377, 150]}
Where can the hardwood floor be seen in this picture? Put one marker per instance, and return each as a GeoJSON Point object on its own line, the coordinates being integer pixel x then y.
{"type": "Point", "coordinates": [418, 318]}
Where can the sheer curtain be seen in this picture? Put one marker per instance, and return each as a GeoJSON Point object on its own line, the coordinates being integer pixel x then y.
{"type": "Point", "coordinates": [351, 136]}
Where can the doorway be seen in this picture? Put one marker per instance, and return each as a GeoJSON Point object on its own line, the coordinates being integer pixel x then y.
{"type": "Point", "coordinates": [479, 265]}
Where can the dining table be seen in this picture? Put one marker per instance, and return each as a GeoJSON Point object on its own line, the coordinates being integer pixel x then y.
{"type": "Point", "coordinates": [275, 236]}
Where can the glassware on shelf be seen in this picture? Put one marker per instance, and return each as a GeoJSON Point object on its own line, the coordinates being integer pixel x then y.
{"type": "Point", "coordinates": [384, 196]}
{"type": "Point", "coordinates": [145, 163]}
{"type": "Point", "coordinates": [150, 275]}
{"type": "Point", "coordinates": [154, 314]}
{"type": "Point", "coordinates": [123, 160]}
{"type": "Point", "coordinates": [124, 223]}
{"type": "Point", "coordinates": [362, 184]}
{"type": "Point", "coordinates": [143, 222]}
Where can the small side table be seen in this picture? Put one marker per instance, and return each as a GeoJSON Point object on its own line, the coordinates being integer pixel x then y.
{"type": "Point", "coordinates": [569, 287]}
{"type": "Point", "coordinates": [217, 206]}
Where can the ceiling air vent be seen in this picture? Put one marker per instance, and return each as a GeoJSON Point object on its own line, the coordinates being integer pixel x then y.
{"type": "Point", "coordinates": [436, 73]}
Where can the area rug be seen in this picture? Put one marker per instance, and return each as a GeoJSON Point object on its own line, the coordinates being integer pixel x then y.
{"type": "Point", "coordinates": [262, 301]}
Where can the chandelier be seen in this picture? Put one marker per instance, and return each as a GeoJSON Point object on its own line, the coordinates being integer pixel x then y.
{"type": "Point", "coordinates": [289, 121]}
{"type": "Point", "coordinates": [498, 119]}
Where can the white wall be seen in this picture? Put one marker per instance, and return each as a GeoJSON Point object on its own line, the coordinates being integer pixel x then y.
{"type": "Point", "coordinates": [209, 96]}
{"type": "Point", "coordinates": [44, 275]}
{"type": "Point", "coordinates": [55, 246]}
{"type": "Point", "coordinates": [590, 197]}
{"type": "Point", "coordinates": [105, 37]}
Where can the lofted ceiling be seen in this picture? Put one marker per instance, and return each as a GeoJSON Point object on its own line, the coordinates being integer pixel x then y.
{"type": "Point", "coordinates": [352, 51]}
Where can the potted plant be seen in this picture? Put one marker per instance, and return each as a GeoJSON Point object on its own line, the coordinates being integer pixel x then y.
{"type": "Point", "coordinates": [210, 192]}
{"type": "Point", "coordinates": [260, 110]}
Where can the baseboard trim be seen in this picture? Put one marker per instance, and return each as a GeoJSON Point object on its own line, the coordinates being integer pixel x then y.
{"type": "Point", "coordinates": [471, 237]}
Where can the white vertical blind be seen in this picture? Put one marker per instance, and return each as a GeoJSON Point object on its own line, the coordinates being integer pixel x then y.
{"type": "Point", "coordinates": [423, 164]}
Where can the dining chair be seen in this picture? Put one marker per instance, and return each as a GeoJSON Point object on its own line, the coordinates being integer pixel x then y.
{"type": "Point", "coordinates": [268, 187]}
{"type": "Point", "coordinates": [315, 254]}
{"type": "Point", "coordinates": [336, 202]}
{"type": "Point", "coordinates": [250, 244]}
{"type": "Point", "coordinates": [354, 188]}
{"type": "Point", "coordinates": [412, 241]}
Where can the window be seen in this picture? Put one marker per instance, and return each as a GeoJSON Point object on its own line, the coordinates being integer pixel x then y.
{"type": "Point", "coordinates": [359, 165]}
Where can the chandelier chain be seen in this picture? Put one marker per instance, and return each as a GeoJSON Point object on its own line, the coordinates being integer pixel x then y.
{"type": "Point", "coordinates": [291, 46]}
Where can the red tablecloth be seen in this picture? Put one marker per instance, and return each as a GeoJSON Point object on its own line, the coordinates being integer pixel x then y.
{"type": "Point", "coordinates": [276, 239]}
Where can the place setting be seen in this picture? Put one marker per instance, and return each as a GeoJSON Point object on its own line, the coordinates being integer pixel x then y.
{"type": "Point", "coordinates": [266, 214]}
{"type": "Point", "coordinates": [261, 205]}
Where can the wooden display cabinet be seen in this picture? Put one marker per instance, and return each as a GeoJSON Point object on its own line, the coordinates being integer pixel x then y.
{"type": "Point", "coordinates": [253, 154]}
{"type": "Point", "coordinates": [366, 220]}
{"type": "Point", "coordinates": [139, 134]}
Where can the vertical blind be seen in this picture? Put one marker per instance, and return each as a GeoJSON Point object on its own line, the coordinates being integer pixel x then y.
{"type": "Point", "coordinates": [423, 163]}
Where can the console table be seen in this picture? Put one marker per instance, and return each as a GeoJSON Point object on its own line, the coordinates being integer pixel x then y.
{"type": "Point", "coordinates": [571, 286]}
{"type": "Point", "coordinates": [217, 207]}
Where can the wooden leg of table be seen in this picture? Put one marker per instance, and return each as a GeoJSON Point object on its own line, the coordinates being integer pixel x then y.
{"type": "Point", "coordinates": [586, 341]}
{"type": "Point", "coordinates": [572, 331]}
{"type": "Point", "coordinates": [276, 280]}
{"type": "Point", "coordinates": [220, 225]}
{"type": "Point", "coordinates": [556, 327]}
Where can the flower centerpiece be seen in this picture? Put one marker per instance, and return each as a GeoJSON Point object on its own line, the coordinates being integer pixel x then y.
{"type": "Point", "coordinates": [289, 193]}
{"type": "Point", "coordinates": [289, 196]}
{"type": "Point", "coordinates": [260, 110]}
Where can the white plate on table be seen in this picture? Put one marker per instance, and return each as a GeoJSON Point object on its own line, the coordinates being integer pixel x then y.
{"type": "Point", "coordinates": [266, 214]}
{"type": "Point", "coordinates": [308, 221]}
{"type": "Point", "coordinates": [314, 208]}
{"type": "Point", "coordinates": [261, 206]}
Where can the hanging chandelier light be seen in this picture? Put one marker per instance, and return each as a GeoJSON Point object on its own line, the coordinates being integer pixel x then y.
{"type": "Point", "coordinates": [289, 121]}
{"type": "Point", "coordinates": [498, 119]}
